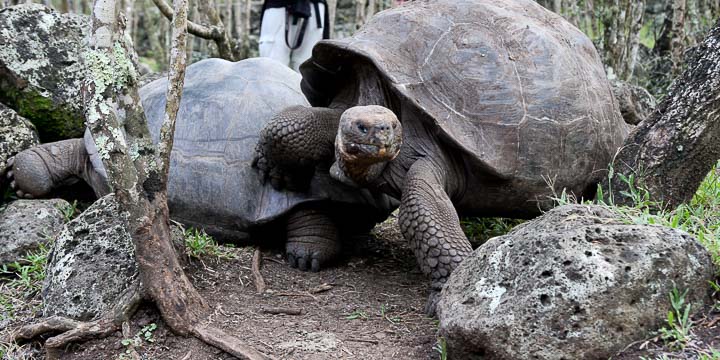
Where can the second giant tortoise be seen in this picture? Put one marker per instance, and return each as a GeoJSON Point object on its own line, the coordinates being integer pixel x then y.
{"type": "Point", "coordinates": [212, 185]}
{"type": "Point", "coordinates": [499, 103]}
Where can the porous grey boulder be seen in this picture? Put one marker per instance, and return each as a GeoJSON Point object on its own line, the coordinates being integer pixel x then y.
{"type": "Point", "coordinates": [16, 134]}
{"type": "Point", "coordinates": [91, 264]}
{"type": "Point", "coordinates": [636, 103]}
{"type": "Point", "coordinates": [575, 283]}
{"type": "Point", "coordinates": [40, 68]}
{"type": "Point", "coordinates": [26, 224]}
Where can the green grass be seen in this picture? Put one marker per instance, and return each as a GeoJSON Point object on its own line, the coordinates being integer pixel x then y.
{"type": "Point", "coordinates": [199, 244]}
{"type": "Point", "coordinates": [20, 284]}
{"type": "Point", "coordinates": [677, 332]}
{"type": "Point", "coordinates": [700, 217]}
{"type": "Point", "coordinates": [145, 335]}
{"type": "Point", "coordinates": [26, 275]}
{"type": "Point", "coordinates": [480, 230]}
{"type": "Point", "coordinates": [69, 211]}
{"type": "Point", "coordinates": [441, 348]}
{"type": "Point", "coordinates": [357, 314]}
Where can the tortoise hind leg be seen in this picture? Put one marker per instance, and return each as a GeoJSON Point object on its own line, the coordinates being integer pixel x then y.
{"type": "Point", "coordinates": [312, 239]}
{"type": "Point", "coordinates": [429, 222]}
{"type": "Point", "coordinates": [37, 171]}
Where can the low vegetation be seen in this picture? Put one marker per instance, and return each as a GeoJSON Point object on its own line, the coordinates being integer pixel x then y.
{"type": "Point", "coordinates": [199, 244]}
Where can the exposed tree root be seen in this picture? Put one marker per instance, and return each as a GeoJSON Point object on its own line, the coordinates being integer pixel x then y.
{"type": "Point", "coordinates": [256, 264]}
{"type": "Point", "coordinates": [76, 331]}
{"type": "Point", "coordinates": [226, 342]}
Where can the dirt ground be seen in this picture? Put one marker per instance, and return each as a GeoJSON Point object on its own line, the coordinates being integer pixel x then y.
{"type": "Point", "coordinates": [372, 309]}
{"type": "Point", "coordinates": [368, 306]}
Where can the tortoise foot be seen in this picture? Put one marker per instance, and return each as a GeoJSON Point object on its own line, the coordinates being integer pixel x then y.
{"type": "Point", "coordinates": [433, 299]}
{"type": "Point", "coordinates": [310, 256]}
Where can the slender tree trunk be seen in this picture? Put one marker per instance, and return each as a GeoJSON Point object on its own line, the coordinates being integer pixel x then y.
{"type": "Point", "coordinates": [634, 21]}
{"type": "Point", "coordinates": [672, 151]}
{"type": "Point", "coordinates": [360, 13]}
{"type": "Point", "coordinates": [332, 8]}
{"type": "Point", "coordinates": [138, 174]}
{"type": "Point", "coordinates": [672, 39]}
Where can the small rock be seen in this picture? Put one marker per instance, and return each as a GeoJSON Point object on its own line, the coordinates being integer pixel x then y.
{"type": "Point", "coordinates": [16, 134]}
{"type": "Point", "coordinates": [25, 224]}
{"type": "Point", "coordinates": [91, 264]}
{"type": "Point", "coordinates": [575, 283]}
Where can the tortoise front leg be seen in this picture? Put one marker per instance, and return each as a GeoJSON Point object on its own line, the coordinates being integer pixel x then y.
{"type": "Point", "coordinates": [312, 239]}
{"type": "Point", "coordinates": [295, 141]}
{"type": "Point", "coordinates": [428, 220]}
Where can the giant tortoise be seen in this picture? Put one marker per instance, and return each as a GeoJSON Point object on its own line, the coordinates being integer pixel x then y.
{"type": "Point", "coordinates": [212, 185]}
{"type": "Point", "coordinates": [500, 103]}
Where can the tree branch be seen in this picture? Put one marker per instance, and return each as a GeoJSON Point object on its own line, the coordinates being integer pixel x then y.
{"type": "Point", "coordinates": [205, 32]}
{"type": "Point", "coordinates": [176, 80]}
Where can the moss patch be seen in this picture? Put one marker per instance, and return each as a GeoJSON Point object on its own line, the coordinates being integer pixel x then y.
{"type": "Point", "coordinates": [53, 121]}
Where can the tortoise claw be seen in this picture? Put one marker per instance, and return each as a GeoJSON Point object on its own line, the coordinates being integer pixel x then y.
{"type": "Point", "coordinates": [302, 264]}
{"type": "Point", "coordinates": [432, 301]}
{"type": "Point", "coordinates": [291, 260]}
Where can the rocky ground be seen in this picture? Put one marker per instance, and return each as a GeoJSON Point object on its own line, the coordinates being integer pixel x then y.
{"type": "Point", "coordinates": [369, 306]}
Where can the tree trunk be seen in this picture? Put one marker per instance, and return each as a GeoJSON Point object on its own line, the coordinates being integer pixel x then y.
{"type": "Point", "coordinates": [672, 39]}
{"type": "Point", "coordinates": [557, 6]}
{"type": "Point", "coordinates": [670, 153]}
{"type": "Point", "coordinates": [360, 13]}
{"type": "Point", "coordinates": [138, 173]}
{"type": "Point", "coordinates": [332, 8]}
{"type": "Point", "coordinates": [633, 24]}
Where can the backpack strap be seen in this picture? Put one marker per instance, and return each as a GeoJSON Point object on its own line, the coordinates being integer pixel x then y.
{"type": "Point", "coordinates": [300, 35]}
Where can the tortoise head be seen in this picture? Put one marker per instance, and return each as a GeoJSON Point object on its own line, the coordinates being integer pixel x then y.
{"type": "Point", "coordinates": [368, 137]}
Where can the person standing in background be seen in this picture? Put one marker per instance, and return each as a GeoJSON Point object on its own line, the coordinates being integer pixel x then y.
{"type": "Point", "coordinates": [290, 28]}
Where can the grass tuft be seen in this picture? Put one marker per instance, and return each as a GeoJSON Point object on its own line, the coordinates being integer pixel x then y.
{"type": "Point", "coordinates": [199, 244]}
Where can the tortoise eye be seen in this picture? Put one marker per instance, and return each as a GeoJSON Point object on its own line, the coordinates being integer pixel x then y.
{"type": "Point", "coordinates": [362, 128]}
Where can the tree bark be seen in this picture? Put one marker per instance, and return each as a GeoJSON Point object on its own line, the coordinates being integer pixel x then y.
{"type": "Point", "coordinates": [332, 8]}
{"type": "Point", "coordinates": [672, 39]}
{"type": "Point", "coordinates": [137, 173]}
{"type": "Point", "coordinates": [215, 32]}
{"type": "Point", "coordinates": [671, 152]}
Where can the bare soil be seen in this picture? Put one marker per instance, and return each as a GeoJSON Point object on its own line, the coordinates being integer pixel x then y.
{"type": "Point", "coordinates": [368, 306]}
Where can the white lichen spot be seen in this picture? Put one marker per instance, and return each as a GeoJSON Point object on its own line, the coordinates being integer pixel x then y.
{"type": "Point", "coordinates": [490, 292]}
{"type": "Point", "coordinates": [118, 135]}
{"type": "Point", "coordinates": [46, 22]}
{"type": "Point", "coordinates": [104, 146]}
{"type": "Point", "coordinates": [103, 37]}
{"type": "Point", "coordinates": [134, 152]}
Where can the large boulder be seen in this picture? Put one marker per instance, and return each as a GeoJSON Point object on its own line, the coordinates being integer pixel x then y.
{"type": "Point", "coordinates": [26, 224]}
{"type": "Point", "coordinates": [16, 134]}
{"type": "Point", "coordinates": [91, 264]}
{"type": "Point", "coordinates": [579, 282]}
{"type": "Point", "coordinates": [40, 68]}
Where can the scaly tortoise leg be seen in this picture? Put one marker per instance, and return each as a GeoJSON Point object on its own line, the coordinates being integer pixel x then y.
{"type": "Point", "coordinates": [37, 171]}
{"type": "Point", "coordinates": [312, 239]}
{"type": "Point", "coordinates": [429, 222]}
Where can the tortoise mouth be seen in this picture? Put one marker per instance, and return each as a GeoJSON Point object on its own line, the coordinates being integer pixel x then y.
{"type": "Point", "coordinates": [353, 148]}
